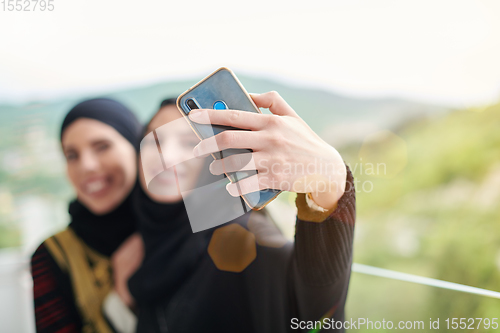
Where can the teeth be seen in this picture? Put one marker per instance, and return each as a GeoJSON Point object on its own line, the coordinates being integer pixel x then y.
{"type": "Point", "coordinates": [95, 186]}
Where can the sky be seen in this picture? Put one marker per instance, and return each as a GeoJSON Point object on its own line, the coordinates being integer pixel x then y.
{"type": "Point", "coordinates": [439, 51]}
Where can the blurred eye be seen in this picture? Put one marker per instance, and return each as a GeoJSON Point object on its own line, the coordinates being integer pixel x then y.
{"type": "Point", "coordinates": [102, 146]}
{"type": "Point", "coordinates": [71, 156]}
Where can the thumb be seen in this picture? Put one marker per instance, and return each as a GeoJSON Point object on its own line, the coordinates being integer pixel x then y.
{"type": "Point", "coordinates": [274, 102]}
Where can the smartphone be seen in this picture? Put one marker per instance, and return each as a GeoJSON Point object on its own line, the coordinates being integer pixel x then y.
{"type": "Point", "coordinates": [222, 90]}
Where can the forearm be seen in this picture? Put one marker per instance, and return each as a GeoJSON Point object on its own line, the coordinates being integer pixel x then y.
{"type": "Point", "coordinates": [321, 264]}
{"type": "Point", "coordinates": [54, 311]}
{"type": "Point", "coordinates": [323, 240]}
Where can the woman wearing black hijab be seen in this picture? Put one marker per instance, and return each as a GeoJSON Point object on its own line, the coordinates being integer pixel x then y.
{"type": "Point", "coordinates": [242, 276]}
{"type": "Point", "coordinates": [71, 270]}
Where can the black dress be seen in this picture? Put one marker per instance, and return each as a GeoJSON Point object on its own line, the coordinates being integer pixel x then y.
{"type": "Point", "coordinates": [282, 286]}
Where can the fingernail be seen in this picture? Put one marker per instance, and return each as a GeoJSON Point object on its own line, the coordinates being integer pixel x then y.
{"type": "Point", "coordinates": [196, 151]}
{"type": "Point", "coordinates": [232, 190]}
{"type": "Point", "coordinates": [211, 169]}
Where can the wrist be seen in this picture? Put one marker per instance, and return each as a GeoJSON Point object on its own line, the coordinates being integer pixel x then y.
{"type": "Point", "coordinates": [322, 201]}
{"type": "Point", "coordinates": [335, 183]}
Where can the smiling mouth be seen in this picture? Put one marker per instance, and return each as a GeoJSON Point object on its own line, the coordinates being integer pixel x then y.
{"type": "Point", "coordinates": [97, 187]}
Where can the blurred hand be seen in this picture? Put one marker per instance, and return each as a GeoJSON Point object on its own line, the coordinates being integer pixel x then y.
{"type": "Point", "coordinates": [287, 153]}
{"type": "Point", "coordinates": [125, 261]}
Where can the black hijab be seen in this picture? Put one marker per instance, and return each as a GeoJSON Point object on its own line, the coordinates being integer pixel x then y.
{"type": "Point", "coordinates": [105, 233]}
{"type": "Point", "coordinates": [172, 250]}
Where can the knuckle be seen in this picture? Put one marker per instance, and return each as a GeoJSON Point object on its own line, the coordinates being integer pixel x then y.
{"type": "Point", "coordinates": [274, 94]}
{"type": "Point", "coordinates": [233, 116]}
{"type": "Point", "coordinates": [270, 120]}
{"type": "Point", "coordinates": [227, 139]}
{"type": "Point", "coordinates": [276, 139]}
{"type": "Point", "coordinates": [275, 121]}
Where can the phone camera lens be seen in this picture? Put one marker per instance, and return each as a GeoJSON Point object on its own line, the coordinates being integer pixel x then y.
{"type": "Point", "coordinates": [192, 104]}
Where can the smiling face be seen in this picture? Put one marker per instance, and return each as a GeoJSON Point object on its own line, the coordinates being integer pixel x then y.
{"type": "Point", "coordinates": [177, 141]}
{"type": "Point", "coordinates": [101, 164]}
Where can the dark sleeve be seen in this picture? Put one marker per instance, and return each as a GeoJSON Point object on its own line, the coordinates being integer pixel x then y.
{"type": "Point", "coordinates": [55, 309]}
{"type": "Point", "coordinates": [322, 258]}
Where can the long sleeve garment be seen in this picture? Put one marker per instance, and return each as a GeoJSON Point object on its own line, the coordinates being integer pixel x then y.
{"type": "Point", "coordinates": [55, 309]}
{"type": "Point", "coordinates": [280, 285]}
{"type": "Point", "coordinates": [72, 273]}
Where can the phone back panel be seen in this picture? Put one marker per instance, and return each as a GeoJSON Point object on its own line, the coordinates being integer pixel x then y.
{"type": "Point", "coordinates": [223, 86]}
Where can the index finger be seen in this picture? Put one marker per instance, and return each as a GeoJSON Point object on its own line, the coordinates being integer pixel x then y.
{"type": "Point", "coordinates": [274, 102]}
{"type": "Point", "coordinates": [234, 118]}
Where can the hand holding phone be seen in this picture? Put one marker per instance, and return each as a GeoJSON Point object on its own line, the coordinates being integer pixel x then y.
{"type": "Point", "coordinates": [221, 90]}
{"type": "Point", "coordinates": [283, 149]}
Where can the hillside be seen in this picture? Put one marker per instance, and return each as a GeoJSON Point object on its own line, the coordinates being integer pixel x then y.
{"type": "Point", "coordinates": [322, 110]}
{"type": "Point", "coordinates": [437, 217]}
